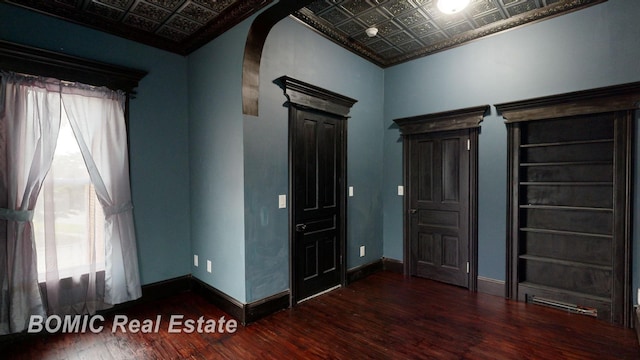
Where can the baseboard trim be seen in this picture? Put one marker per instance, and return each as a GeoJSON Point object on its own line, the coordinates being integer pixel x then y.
{"type": "Point", "coordinates": [258, 309]}
{"type": "Point", "coordinates": [165, 288]}
{"type": "Point", "coordinates": [155, 291]}
{"type": "Point", "coordinates": [393, 265]}
{"type": "Point", "coordinates": [491, 286]}
{"type": "Point", "coordinates": [244, 313]}
{"type": "Point", "coordinates": [221, 300]}
{"type": "Point", "coordinates": [362, 271]}
{"type": "Point", "coordinates": [150, 292]}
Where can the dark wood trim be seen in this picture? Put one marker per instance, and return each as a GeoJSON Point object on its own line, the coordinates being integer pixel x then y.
{"type": "Point", "coordinates": [473, 208]}
{"type": "Point", "coordinates": [393, 265]}
{"type": "Point", "coordinates": [30, 60]}
{"type": "Point", "coordinates": [460, 119]}
{"type": "Point", "coordinates": [301, 95]}
{"type": "Point", "coordinates": [342, 192]}
{"type": "Point", "coordinates": [491, 286]}
{"type": "Point", "coordinates": [406, 207]}
{"type": "Point", "coordinates": [513, 177]}
{"type": "Point", "coordinates": [166, 288]}
{"type": "Point", "coordinates": [258, 309]}
{"type": "Point", "coordinates": [313, 97]}
{"type": "Point", "coordinates": [229, 17]}
{"type": "Point", "coordinates": [599, 100]}
{"type": "Point", "coordinates": [362, 271]}
{"type": "Point", "coordinates": [221, 300]}
{"type": "Point", "coordinates": [150, 292]}
{"type": "Point", "coordinates": [448, 120]}
{"type": "Point", "coordinates": [256, 38]}
{"type": "Point", "coordinates": [620, 101]}
{"type": "Point", "coordinates": [245, 313]}
{"type": "Point", "coordinates": [623, 203]}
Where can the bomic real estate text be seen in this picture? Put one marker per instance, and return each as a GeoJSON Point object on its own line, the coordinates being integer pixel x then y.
{"type": "Point", "coordinates": [121, 323]}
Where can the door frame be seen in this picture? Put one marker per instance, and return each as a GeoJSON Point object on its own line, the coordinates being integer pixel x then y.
{"type": "Point", "coordinates": [461, 119]}
{"type": "Point", "coordinates": [307, 97]}
{"type": "Point", "coordinates": [621, 100]}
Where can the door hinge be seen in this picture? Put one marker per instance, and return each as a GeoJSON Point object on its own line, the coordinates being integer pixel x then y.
{"type": "Point", "coordinates": [468, 144]}
{"type": "Point", "coordinates": [467, 267]}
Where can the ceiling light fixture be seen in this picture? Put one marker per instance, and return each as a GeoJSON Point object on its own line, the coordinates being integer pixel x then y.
{"type": "Point", "coordinates": [452, 6]}
{"type": "Point", "coordinates": [372, 31]}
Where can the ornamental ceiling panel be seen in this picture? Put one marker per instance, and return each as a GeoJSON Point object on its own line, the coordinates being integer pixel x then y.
{"type": "Point", "coordinates": [407, 29]}
{"type": "Point", "coordinates": [179, 26]}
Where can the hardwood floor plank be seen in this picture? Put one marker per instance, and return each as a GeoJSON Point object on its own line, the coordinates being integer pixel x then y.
{"type": "Point", "coordinates": [384, 316]}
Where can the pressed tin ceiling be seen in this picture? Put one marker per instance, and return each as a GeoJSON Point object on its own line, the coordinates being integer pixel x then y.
{"type": "Point", "coordinates": [408, 29]}
{"type": "Point", "coordinates": [179, 26]}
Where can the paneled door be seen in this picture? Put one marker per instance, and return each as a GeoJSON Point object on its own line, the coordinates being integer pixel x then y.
{"type": "Point", "coordinates": [439, 206]}
{"type": "Point", "coordinates": [318, 172]}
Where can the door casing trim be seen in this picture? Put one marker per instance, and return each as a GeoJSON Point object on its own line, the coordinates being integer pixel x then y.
{"type": "Point", "coordinates": [466, 118]}
{"type": "Point", "coordinates": [307, 97]}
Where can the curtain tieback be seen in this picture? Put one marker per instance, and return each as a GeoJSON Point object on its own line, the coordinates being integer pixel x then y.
{"type": "Point", "coordinates": [118, 208]}
{"type": "Point", "coordinates": [16, 215]}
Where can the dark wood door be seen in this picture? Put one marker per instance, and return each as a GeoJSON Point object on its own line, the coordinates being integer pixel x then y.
{"type": "Point", "coordinates": [318, 159]}
{"type": "Point", "coordinates": [439, 206]}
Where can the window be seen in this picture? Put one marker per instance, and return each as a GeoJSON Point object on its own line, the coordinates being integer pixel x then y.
{"type": "Point", "coordinates": [68, 197]}
{"type": "Point", "coordinates": [30, 115]}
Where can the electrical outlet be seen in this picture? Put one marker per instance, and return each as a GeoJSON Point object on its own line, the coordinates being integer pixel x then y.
{"type": "Point", "coordinates": [282, 201]}
{"type": "Point", "coordinates": [208, 266]}
{"type": "Point", "coordinates": [362, 251]}
{"type": "Point", "coordinates": [195, 260]}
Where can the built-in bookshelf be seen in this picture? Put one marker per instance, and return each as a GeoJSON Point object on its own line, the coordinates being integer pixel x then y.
{"type": "Point", "coordinates": [569, 201]}
{"type": "Point", "coordinates": [566, 210]}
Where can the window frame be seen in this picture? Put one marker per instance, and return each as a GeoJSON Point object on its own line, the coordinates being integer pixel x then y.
{"type": "Point", "coordinates": [34, 61]}
{"type": "Point", "coordinates": [40, 62]}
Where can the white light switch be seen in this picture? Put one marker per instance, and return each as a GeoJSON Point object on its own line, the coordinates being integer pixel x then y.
{"type": "Point", "coordinates": [400, 190]}
{"type": "Point", "coordinates": [195, 260]}
{"type": "Point", "coordinates": [282, 201]}
{"type": "Point", "coordinates": [350, 190]}
{"type": "Point", "coordinates": [208, 265]}
{"type": "Point", "coordinates": [362, 251]}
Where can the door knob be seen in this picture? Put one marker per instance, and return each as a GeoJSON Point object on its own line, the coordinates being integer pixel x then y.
{"type": "Point", "coordinates": [413, 211]}
{"type": "Point", "coordinates": [301, 227]}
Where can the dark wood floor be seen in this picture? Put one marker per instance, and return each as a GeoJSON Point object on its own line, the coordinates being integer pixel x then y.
{"type": "Point", "coordinates": [384, 316]}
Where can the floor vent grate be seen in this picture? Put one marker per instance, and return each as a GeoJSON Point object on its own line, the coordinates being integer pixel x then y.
{"type": "Point", "coordinates": [572, 308]}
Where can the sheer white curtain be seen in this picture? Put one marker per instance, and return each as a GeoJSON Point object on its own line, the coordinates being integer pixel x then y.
{"type": "Point", "coordinates": [27, 143]}
{"type": "Point", "coordinates": [97, 119]}
{"type": "Point", "coordinates": [29, 125]}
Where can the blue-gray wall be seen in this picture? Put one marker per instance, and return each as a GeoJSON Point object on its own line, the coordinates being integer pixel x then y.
{"type": "Point", "coordinates": [217, 156]}
{"type": "Point", "coordinates": [206, 179]}
{"type": "Point", "coordinates": [158, 132]}
{"type": "Point", "coordinates": [292, 49]}
{"type": "Point", "coordinates": [590, 48]}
